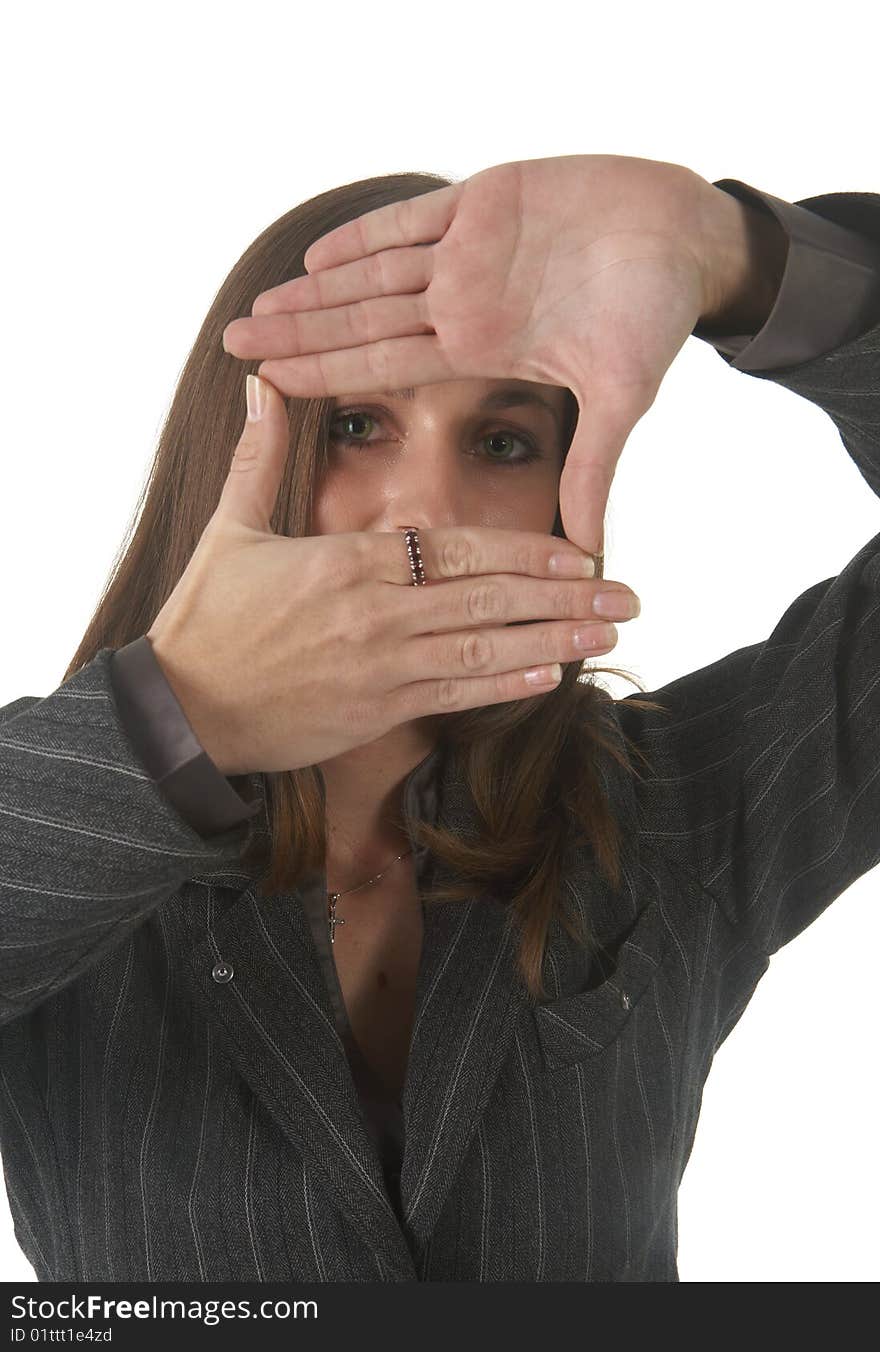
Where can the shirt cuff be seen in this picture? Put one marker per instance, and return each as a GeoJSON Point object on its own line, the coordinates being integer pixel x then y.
{"type": "Point", "coordinates": [164, 741]}
{"type": "Point", "coordinates": [829, 294]}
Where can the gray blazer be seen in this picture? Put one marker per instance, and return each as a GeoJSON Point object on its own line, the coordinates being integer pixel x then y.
{"type": "Point", "coordinates": [176, 1103]}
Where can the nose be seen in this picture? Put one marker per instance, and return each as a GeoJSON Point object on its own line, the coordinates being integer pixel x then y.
{"type": "Point", "coordinates": [429, 481]}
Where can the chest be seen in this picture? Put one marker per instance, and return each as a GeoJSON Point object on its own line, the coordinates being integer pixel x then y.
{"type": "Point", "coordinates": [376, 953]}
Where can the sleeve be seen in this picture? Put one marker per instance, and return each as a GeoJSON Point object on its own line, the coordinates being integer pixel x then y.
{"type": "Point", "coordinates": [827, 259]}
{"type": "Point", "coordinates": [89, 846]}
{"type": "Point", "coordinates": [764, 767]}
{"type": "Point", "coordinates": [159, 730]}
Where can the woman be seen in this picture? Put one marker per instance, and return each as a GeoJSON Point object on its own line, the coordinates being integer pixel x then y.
{"type": "Point", "coordinates": [302, 981]}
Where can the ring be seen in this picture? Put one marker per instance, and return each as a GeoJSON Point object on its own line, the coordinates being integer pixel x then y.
{"type": "Point", "coordinates": [414, 553]}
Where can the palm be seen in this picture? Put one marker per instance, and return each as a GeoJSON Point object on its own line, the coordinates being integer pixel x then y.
{"type": "Point", "coordinates": [578, 271]}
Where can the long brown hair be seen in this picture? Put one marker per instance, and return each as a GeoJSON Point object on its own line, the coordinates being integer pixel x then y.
{"type": "Point", "coordinates": [532, 766]}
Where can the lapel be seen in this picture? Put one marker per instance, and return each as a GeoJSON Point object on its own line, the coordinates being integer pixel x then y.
{"type": "Point", "coordinates": [275, 1022]}
{"type": "Point", "coordinates": [470, 995]}
{"type": "Point", "coordinates": [468, 1001]}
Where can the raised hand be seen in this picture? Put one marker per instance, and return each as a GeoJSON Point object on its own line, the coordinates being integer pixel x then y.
{"type": "Point", "coordinates": [585, 271]}
{"type": "Point", "coordinates": [287, 651]}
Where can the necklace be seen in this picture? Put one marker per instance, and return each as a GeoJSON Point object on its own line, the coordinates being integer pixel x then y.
{"type": "Point", "coordinates": [333, 897]}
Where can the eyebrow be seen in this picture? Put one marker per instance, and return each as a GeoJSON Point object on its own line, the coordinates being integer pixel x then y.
{"type": "Point", "coordinates": [508, 396]}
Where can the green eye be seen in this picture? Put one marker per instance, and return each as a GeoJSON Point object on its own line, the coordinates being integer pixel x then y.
{"type": "Point", "coordinates": [355, 414]}
{"type": "Point", "coordinates": [349, 417]}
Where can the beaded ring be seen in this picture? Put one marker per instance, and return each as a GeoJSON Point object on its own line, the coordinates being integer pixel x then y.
{"type": "Point", "coordinates": [414, 553]}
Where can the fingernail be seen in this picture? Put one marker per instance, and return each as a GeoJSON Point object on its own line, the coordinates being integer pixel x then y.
{"type": "Point", "coordinates": [573, 565]}
{"type": "Point", "coordinates": [551, 675]}
{"type": "Point", "coordinates": [596, 636]}
{"type": "Point", "coordinates": [616, 605]}
{"type": "Point", "coordinates": [256, 398]}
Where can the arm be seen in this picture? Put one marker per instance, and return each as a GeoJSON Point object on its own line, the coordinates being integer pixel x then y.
{"type": "Point", "coordinates": [89, 846]}
{"type": "Point", "coordinates": [764, 783]}
{"type": "Point", "coordinates": [821, 290]}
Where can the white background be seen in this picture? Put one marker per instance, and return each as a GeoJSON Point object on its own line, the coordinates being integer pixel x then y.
{"type": "Point", "coordinates": [144, 149]}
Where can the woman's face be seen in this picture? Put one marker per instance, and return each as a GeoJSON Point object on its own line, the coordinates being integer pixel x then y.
{"type": "Point", "coordinates": [457, 453]}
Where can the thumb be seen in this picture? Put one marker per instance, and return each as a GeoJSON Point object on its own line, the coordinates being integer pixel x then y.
{"type": "Point", "coordinates": [251, 489]}
{"type": "Point", "coordinates": [586, 478]}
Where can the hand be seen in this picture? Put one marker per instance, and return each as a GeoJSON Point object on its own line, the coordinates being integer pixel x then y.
{"type": "Point", "coordinates": [585, 271]}
{"type": "Point", "coordinates": [287, 651]}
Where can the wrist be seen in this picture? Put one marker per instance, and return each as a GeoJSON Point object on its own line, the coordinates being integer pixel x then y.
{"type": "Point", "coordinates": [745, 251]}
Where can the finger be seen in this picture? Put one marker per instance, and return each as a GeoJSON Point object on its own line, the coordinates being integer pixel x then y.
{"type": "Point", "coordinates": [466, 551]}
{"type": "Point", "coordinates": [295, 334]}
{"type": "Point", "coordinates": [385, 365]}
{"type": "Point", "coordinates": [418, 220]}
{"type": "Point", "coordinates": [588, 472]}
{"type": "Point", "coordinates": [250, 492]}
{"type": "Point", "coordinates": [390, 273]}
{"type": "Point", "coordinates": [583, 501]}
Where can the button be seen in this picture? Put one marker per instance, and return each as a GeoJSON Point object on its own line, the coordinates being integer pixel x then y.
{"type": "Point", "coordinates": [625, 1000]}
{"type": "Point", "coordinates": [222, 971]}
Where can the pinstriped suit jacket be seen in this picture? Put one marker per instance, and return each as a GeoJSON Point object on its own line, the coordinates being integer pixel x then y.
{"type": "Point", "coordinates": [158, 1122]}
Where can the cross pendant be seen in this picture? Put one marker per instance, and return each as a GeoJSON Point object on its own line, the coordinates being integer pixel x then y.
{"type": "Point", "coordinates": [332, 897]}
